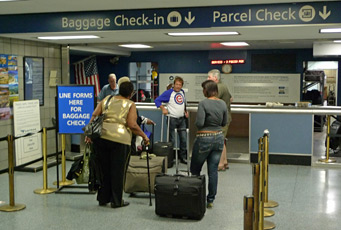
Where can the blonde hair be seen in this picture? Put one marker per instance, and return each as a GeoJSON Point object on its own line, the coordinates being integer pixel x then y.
{"type": "Point", "coordinates": [122, 79]}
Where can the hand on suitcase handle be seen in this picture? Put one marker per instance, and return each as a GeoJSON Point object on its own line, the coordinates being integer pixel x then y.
{"type": "Point", "coordinates": [145, 141]}
{"type": "Point", "coordinates": [145, 144]}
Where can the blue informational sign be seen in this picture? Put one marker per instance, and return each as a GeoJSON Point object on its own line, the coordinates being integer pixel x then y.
{"type": "Point", "coordinates": [75, 105]}
{"type": "Point", "coordinates": [174, 18]}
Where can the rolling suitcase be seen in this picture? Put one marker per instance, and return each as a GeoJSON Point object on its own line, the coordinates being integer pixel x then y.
{"type": "Point", "coordinates": [335, 131]}
{"type": "Point", "coordinates": [180, 195]}
{"type": "Point", "coordinates": [164, 148]}
{"type": "Point", "coordinates": [137, 173]}
{"type": "Point", "coordinates": [141, 172]}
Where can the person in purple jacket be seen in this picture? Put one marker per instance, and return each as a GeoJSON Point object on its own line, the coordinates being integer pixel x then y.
{"type": "Point", "coordinates": [176, 112]}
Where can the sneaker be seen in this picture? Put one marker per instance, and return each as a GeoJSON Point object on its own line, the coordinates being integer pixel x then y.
{"type": "Point", "coordinates": [210, 205]}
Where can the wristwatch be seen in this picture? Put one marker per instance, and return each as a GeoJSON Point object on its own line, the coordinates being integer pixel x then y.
{"type": "Point", "coordinates": [226, 68]}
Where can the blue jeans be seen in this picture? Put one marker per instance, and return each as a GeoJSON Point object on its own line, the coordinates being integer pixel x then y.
{"type": "Point", "coordinates": [208, 148]}
{"type": "Point", "coordinates": [178, 123]}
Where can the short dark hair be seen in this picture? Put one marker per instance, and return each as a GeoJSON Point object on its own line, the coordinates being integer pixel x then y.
{"type": "Point", "coordinates": [126, 88]}
{"type": "Point", "coordinates": [210, 88]}
{"type": "Point", "coordinates": [177, 78]}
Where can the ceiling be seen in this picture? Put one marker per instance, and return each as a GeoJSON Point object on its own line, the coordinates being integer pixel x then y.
{"type": "Point", "coordinates": [261, 37]}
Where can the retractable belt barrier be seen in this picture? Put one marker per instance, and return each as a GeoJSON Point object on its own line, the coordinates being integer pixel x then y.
{"type": "Point", "coordinates": [254, 220]}
{"type": "Point", "coordinates": [63, 182]}
{"type": "Point", "coordinates": [327, 159]}
{"type": "Point", "coordinates": [12, 206]}
{"type": "Point", "coordinates": [45, 189]}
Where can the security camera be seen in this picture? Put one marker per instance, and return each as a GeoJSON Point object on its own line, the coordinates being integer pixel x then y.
{"type": "Point", "coordinates": [114, 60]}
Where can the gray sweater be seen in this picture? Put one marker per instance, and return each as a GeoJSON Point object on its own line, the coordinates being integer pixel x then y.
{"type": "Point", "coordinates": [211, 115]}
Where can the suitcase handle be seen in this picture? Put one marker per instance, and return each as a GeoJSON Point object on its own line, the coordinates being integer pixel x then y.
{"type": "Point", "coordinates": [176, 189]}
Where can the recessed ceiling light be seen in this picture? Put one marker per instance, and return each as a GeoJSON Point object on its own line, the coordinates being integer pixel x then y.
{"type": "Point", "coordinates": [234, 44]}
{"type": "Point", "coordinates": [138, 46]}
{"type": "Point", "coordinates": [330, 30]}
{"type": "Point", "coordinates": [337, 41]}
{"type": "Point", "coordinates": [203, 33]}
{"type": "Point", "coordinates": [68, 37]}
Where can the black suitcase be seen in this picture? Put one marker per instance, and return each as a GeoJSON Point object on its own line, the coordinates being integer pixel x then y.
{"type": "Point", "coordinates": [164, 149]}
{"type": "Point", "coordinates": [334, 141]}
{"type": "Point", "coordinates": [179, 195]}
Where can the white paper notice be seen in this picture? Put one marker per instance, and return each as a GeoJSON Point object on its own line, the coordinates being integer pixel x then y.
{"type": "Point", "coordinates": [53, 78]}
{"type": "Point", "coordinates": [27, 120]}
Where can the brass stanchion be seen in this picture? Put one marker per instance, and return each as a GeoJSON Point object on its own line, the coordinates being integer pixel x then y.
{"type": "Point", "coordinates": [12, 206]}
{"type": "Point", "coordinates": [248, 212]}
{"type": "Point", "coordinates": [267, 203]}
{"type": "Point", "coordinates": [255, 192]}
{"type": "Point", "coordinates": [63, 182]}
{"type": "Point", "coordinates": [263, 224]}
{"type": "Point", "coordinates": [45, 189]}
{"type": "Point", "coordinates": [327, 159]}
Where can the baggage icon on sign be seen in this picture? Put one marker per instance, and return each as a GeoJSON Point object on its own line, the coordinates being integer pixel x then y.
{"type": "Point", "coordinates": [174, 18]}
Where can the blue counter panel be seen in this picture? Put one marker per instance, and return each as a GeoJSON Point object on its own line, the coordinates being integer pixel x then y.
{"type": "Point", "coordinates": [289, 133]}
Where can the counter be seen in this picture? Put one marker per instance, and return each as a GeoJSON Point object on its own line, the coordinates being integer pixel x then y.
{"type": "Point", "coordinates": [291, 129]}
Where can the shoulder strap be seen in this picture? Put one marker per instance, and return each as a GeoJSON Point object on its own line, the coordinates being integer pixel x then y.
{"type": "Point", "coordinates": [107, 102]}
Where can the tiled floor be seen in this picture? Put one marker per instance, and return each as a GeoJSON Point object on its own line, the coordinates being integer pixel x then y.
{"type": "Point", "coordinates": [308, 197]}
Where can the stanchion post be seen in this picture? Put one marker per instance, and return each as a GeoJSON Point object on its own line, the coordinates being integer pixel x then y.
{"type": "Point", "coordinates": [327, 159]}
{"type": "Point", "coordinates": [263, 224]}
{"type": "Point", "coordinates": [261, 185]}
{"type": "Point", "coordinates": [12, 206]}
{"type": "Point", "coordinates": [45, 189]}
{"type": "Point", "coordinates": [64, 181]}
{"type": "Point", "coordinates": [248, 212]}
{"type": "Point", "coordinates": [267, 203]}
{"type": "Point", "coordinates": [255, 192]}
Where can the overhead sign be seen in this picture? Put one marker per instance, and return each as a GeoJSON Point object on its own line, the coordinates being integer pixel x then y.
{"type": "Point", "coordinates": [75, 107]}
{"type": "Point", "coordinates": [194, 17]}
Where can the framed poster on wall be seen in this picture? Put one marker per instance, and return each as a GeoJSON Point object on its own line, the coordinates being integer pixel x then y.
{"type": "Point", "coordinates": [34, 79]}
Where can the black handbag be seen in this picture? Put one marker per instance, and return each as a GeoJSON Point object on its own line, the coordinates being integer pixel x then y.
{"type": "Point", "coordinates": [93, 130]}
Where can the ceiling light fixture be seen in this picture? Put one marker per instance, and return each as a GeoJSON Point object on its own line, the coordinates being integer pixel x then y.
{"type": "Point", "coordinates": [68, 37]}
{"type": "Point", "coordinates": [337, 41]}
{"type": "Point", "coordinates": [330, 30]}
{"type": "Point", "coordinates": [138, 46]}
{"type": "Point", "coordinates": [12, 0]}
{"type": "Point", "coordinates": [203, 33]}
{"type": "Point", "coordinates": [234, 44]}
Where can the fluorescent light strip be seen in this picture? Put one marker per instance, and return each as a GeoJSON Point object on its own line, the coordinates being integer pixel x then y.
{"type": "Point", "coordinates": [234, 44]}
{"type": "Point", "coordinates": [337, 41]}
{"type": "Point", "coordinates": [12, 0]}
{"type": "Point", "coordinates": [203, 33]}
{"type": "Point", "coordinates": [138, 46]}
{"type": "Point", "coordinates": [68, 37]}
{"type": "Point", "coordinates": [330, 30]}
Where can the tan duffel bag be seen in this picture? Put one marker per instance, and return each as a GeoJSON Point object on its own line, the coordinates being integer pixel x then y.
{"type": "Point", "coordinates": [137, 173]}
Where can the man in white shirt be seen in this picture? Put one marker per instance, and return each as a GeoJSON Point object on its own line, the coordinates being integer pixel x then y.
{"type": "Point", "coordinates": [176, 110]}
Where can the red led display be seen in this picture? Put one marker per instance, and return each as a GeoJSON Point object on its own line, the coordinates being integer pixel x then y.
{"type": "Point", "coordinates": [229, 61]}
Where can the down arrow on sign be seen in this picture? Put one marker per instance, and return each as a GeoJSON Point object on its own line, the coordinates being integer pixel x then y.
{"type": "Point", "coordinates": [189, 19]}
